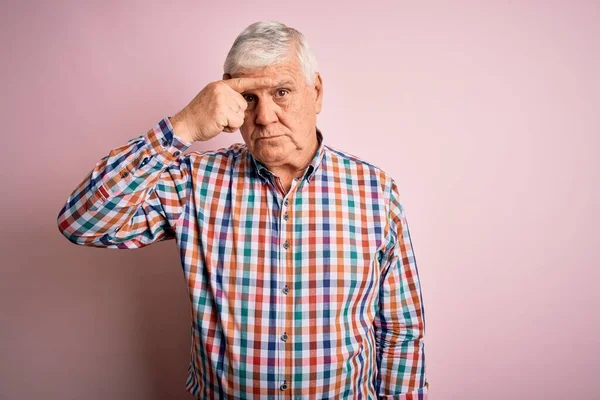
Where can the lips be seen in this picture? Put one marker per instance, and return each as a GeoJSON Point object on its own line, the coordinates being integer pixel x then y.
{"type": "Point", "coordinates": [269, 137]}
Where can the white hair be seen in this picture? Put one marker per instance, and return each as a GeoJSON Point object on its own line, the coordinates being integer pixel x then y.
{"type": "Point", "coordinates": [268, 43]}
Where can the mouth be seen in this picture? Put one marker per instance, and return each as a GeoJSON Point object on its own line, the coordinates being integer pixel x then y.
{"type": "Point", "coordinates": [268, 137]}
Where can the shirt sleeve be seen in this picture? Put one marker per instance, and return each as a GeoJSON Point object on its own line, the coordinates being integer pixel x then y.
{"type": "Point", "coordinates": [134, 196]}
{"type": "Point", "coordinates": [400, 320]}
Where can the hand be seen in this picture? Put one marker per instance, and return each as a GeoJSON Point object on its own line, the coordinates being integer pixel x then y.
{"type": "Point", "coordinates": [219, 107]}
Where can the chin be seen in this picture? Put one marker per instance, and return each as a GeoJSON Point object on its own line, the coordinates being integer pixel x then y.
{"type": "Point", "coordinates": [269, 155]}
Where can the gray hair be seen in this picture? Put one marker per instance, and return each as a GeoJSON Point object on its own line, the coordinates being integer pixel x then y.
{"type": "Point", "coordinates": [268, 43]}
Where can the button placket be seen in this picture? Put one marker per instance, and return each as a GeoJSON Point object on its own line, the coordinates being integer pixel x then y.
{"type": "Point", "coordinates": [285, 256]}
{"type": "Point", "coordinates": [281, 322]}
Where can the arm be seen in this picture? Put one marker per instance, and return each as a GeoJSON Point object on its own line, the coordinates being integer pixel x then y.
{"type": "Point", "coordinates": [134, 196]}
{"type": "Point", "coordinates": [400, 320]}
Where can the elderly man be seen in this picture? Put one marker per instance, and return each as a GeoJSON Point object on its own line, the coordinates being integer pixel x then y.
{"type": "Point", "coordinates": [297, 256]}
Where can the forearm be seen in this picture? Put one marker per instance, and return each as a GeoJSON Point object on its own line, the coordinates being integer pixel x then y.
{"type": "Point", "coordinates": [401, 366]}
{"type": "Point", "coordinates": [116, 204]}
{"type": "Point", "coordinates": [400, 320]}
{"type": "Point", "coordinates": [399, 332]}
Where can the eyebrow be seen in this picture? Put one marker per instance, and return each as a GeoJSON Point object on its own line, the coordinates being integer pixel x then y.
{"type": "Point", "coordinates": [285, 82]}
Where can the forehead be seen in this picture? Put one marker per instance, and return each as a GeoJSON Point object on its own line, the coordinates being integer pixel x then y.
{"type": "Point", "coordinates": [286, 73]}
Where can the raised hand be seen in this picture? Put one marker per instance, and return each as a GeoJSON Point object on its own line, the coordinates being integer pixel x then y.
{"type": "Point", "coordinates": [219, 107]}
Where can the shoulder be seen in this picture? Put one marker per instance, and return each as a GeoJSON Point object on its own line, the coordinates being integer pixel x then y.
{"type": "Point", "coordinates": [208, 166]}
{"type": "Point", "coordinates": [218, 158]}
{"type": "Point", "coordinates": [352, 165]}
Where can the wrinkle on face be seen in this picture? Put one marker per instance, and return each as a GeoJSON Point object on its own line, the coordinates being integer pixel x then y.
{"type": "Point", "coordinates": [280, 121]}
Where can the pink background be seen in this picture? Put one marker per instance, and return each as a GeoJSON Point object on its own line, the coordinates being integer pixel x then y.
{"type": "Point", "coordinates": [486, 113]}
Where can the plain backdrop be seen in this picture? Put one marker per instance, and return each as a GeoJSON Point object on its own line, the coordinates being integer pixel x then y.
{"type": "Point", "coordinates": [487, 113]}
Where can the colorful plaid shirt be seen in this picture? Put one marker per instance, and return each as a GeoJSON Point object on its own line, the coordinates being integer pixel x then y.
{"type": "Point", "coordinates": [310, 294]}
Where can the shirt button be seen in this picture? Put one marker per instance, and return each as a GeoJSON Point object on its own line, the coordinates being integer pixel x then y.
{"type": "Point", "coordinates": [283, 386]}
{"type": "Point", "coordinates": [165, 142]}
{"type": "Point", "coordinates": [286, 203]}
{"type": "Point", "coordinates": [124, 174]}
{"type": "Point", "coordinates": [286, 245]}
{"type": "Point", "coordinates": [284, 337]}
{"type": "Point", "coordinates": [286, 216]}
{"type": "Point", "coordinates": [176, 153]}
{"type": "Point", "coordinates": [285, 290]}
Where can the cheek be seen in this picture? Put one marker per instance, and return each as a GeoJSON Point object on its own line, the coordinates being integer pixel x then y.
{"type": "Point", "coordinates": [248, 120]}
{"type": "Point", "coordinates": [295, 108]}
{"type": "Point", "coordinates": [298, 113]}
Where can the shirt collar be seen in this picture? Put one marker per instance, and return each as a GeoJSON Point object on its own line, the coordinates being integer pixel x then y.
{"type": "Point", "coordinates": [310, 171]}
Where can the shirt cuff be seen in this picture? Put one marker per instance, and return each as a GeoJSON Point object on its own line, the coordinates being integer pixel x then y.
{"type": "Point", "coordinates": [417, 394]}
{"type": "Point", "coordinates": [164, 143]}
{"type": "Point", "coordinates": [161, 145]}
{"type": "Point", "coordinates": [408, 396]}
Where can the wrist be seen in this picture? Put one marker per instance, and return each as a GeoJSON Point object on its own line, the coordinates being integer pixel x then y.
{"type": "Point", "coordinates": [180, 128]}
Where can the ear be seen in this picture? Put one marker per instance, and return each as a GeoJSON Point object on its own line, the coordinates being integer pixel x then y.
{"type": "Point", "coordinates": [318, 88]}
{"type": "Point", "coordinates": [226, 76]}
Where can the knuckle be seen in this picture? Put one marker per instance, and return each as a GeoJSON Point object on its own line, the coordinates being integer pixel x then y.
{"type": "Point", "coordinates": [218, 87]}
{"type": "Point", "coordinates": [220, 99]}
{"type": "Point", "coordinates": [213, 86]}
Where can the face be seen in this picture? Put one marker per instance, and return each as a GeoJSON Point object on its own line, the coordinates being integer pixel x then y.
{"type": "Point", "coordinates": [279, 124]}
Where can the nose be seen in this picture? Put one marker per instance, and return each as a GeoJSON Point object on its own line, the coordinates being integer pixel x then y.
{"type": "Point", "coordinates": [266, 111]}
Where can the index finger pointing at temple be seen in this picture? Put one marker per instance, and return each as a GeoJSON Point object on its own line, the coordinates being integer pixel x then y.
{"type": "Point", "coordinates": [241, 85]}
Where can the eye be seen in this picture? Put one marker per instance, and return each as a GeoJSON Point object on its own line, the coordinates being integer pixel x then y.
{"type": "Point", "coordinates": [249, 97]}
{"type": "Point", "coordinates": [282, 92]}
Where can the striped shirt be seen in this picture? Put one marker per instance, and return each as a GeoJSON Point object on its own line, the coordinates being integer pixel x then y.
{"type": "Point", "coordinates": [309, 294]}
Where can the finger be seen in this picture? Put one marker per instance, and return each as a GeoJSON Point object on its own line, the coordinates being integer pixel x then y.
{"type": "Point", "coordinates": [236, 121]}
{"type": "Point", "coordinates": [241, 102]}
{"type": "Point", "coordinates": [232, 120]}
{"type": "Point", "coordinates": [238, 105]}
{"type": "Point", "coordinates": [241, 85]}
{"type": "Point", "coordinates": [229, 130]}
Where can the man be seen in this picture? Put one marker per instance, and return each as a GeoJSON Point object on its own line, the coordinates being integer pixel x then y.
{"type": "Point", "coordinates": [297, 256]}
